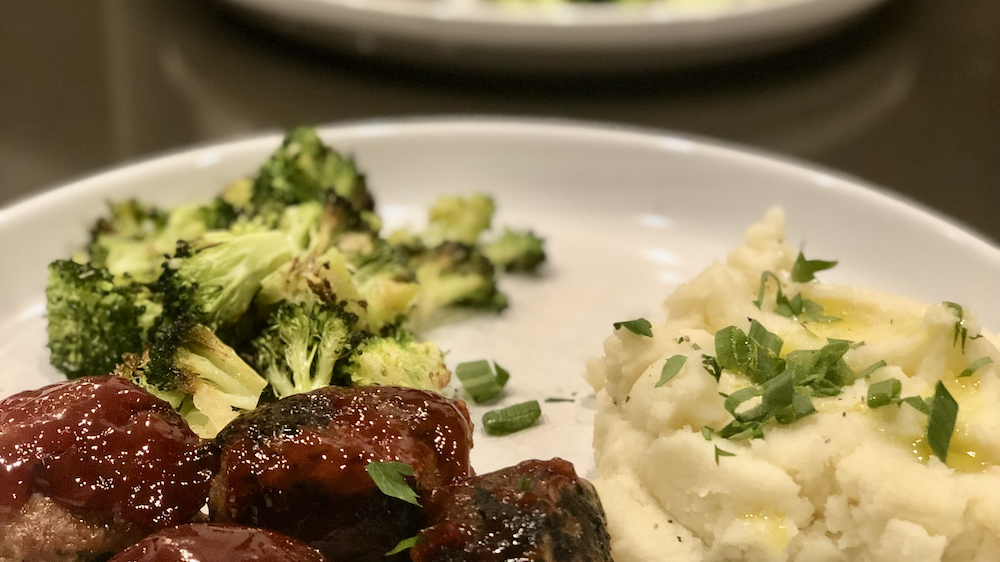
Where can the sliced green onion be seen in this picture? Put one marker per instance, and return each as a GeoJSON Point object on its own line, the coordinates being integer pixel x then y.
{"type": "Point", "coordinates": [884, 393]}
{"type": "Point", "coordinates": [670, 369]}
{"type": "Point", "coordinates": [388, 476]}
{"type": "Point", "coordinates": [974, 366]}
{"type": "Point", "coordinates": [640, 326]}
{"type": "Point", "coordinates": [479, 381]}
{"type": "Point", "coordinates": [511, 419]}
{"type": "Point", "coordinates": [941, 422]}
{"type": "Point", "coordinates": [406, 544]}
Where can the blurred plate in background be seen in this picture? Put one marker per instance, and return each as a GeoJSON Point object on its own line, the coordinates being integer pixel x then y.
{"type": "Point", "coordinates": [547, 35]}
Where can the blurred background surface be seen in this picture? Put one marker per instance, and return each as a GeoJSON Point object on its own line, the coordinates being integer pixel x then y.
{"type": "Point", "coordinates": [907, 98]}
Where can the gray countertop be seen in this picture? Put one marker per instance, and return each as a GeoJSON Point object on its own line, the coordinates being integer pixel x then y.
{"type": "Point", "coordinates": [907, 98]}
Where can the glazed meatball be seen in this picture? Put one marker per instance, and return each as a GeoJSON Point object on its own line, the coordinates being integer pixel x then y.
{"type": "Point", "coordinates": [535, 511]}
{"type": "Point", "coordinates": [298, 465]}
{"type": "Point", "coordinates": [218, 543]}
{"type": "Point", "coordinates": [90, 466]}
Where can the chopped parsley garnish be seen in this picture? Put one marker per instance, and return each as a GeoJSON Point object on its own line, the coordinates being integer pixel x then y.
{"type": "Point", "coordinates": [884, 393]}
{"type": "Point", "coordinates": [406, 544]}
{"type": "Point", "coordinates": [918, 404]}
{"type": "Point", "coordinates": [960, 331]}
{"type": "Point", "coordinates": [871, 369]}
{"type": "Point", "coordinates": [712, 366]}
{"type": "Point", "coordinates": [557, 399]}
{"type": "Point", "coordinates": [512, 419]}
{"type": "Point", "coordinates": [523, 484]}
{"type": "Point", "coordinates": [640, 327]}
{"type": "Point", "coordinates": [479, 381]}
{"type": "Point", "coordinates": [805, 270]}
{"type": "Point", "coordinates": [941, 421]}
{"type": "Point", "coordinates": [974, 366]}
{"type": "Point", "coordinates": [388, 476]}
{"type": "Point", "coordinates": [670, 369]}
{"type": "Point", "coordinates": [720, 453]}
{"type": "Point", "coordinates": [706, 432]}
{"type": "Point", "coordinates": [798, 308]}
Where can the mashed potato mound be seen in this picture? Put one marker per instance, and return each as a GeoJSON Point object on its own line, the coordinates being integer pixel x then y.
{"type": "Point", "coordinates": [847, 483]}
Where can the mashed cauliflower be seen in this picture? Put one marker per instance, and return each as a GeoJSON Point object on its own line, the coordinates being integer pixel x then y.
{"type": "Point", "coordinates": [839, 472]}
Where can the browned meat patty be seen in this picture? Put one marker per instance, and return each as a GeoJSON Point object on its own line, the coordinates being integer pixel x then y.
{"type": "Point", "coordinates": [535, 511]}
{"type": "Point", "coordinates": [89, 466]}
{"type": "Point", "coordinates": [298, 465]}
{"type": "Point", "coordinates": [218, 543]}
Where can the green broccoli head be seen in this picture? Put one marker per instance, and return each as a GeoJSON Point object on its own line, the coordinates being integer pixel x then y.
{"type": "Point", "coordinates": [314, 227]}
{"type": "Point", "coordinates": [398, 361]}
{"type": "Point", "coordinates": [516, 251]}
{"type": "Point", "coordinates": [216, 277]}
{"type": "Point", "coordinates": [189, 366]}
{"type": "Point", "coordinates": [455, 274]}
{"type": "Point", "coordinates": [299, 349]}
{"type": "Point", "coordinates": [458, 219]}
{"type": "Point", "coordinates": [91, 320]}
{"type": "Point", "coordinates": [134, 239]}
{"type": "Point", "coordinates": [304, 169]}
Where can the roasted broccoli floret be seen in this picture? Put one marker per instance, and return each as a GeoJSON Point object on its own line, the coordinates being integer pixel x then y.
{"type": "Point", "coordinates": [190, 367]}
{"type": "Point", "coordinates": [516, 251]}
{"type": "Point", "coordinates": [458, 219]}
{"type": "Point", "coordinates": [300, 347]}
{"type": "Point", "coordinates": [384, 278]}
{"type": "Point", "coordinates": [303, 169]}
{"type": "Point", "coordinates": [455, 274]}
{"type": "Point", "coordinates": [134, 239]}
{"type": "Point", "coordinates": [398, 361]}
{"type": "Point", "coordinates": [91, 320]}
{"type": "Point", "coordinates": [216, 277]}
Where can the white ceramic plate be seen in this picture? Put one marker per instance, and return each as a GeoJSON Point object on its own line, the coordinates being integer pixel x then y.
{"type": "Point", "coordinates": [627, 216]}
{"type": "Point", "coordinates": [556, 35]}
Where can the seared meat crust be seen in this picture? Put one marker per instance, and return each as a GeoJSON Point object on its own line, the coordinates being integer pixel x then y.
{"type": "Point", "coordinates": [537, 511]}
{"type": "Point", "coordinates": [298, 465]}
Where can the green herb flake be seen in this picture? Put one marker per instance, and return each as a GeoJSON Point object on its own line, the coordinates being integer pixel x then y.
{"type": "Point", "coordinates": [388, 476]}
{"type": "Point", "coordinates": [732, 349]}
{"type": "Point", "coordinates": [706, 432]}
{"type": "Point", "coordinates": [941, 421]}
{"type": "Point", "coordinates": [557, 399]}
{"type": "Point", "coordinates": [884, 393]}
{"type": "Point", "coordinates": [720, 453]}
{"type": "Point", "coordinates": [871, 369]}
{"type": "Point", "coordinates": [406, 544]}
{"type": "Point", "coordinates": [512, 419]}
{"type": "Point", "coordinates": [712, 366]}
{"type": "Point", "coordinates": [670, 369]}
{"type": "Point", "coordinates": [960, 331]}
{"type": "Point", "coordinates": [695, 347]}
{"type": "Point", "coordinates": [805, 270]}
{"type": "Point", "coordinates": [640, 327]}
{"type": "Point", "coordinates": [918, 404]}
{"type": "Point", "coordinates": [479, 381]}
{"type": "Point", "coordinates": [523, 484]}
{"type": "Point", "coordinates": [974, 366]}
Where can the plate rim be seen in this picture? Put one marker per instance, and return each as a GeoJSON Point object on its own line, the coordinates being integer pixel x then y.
{"type": "Point", "coordinates": [482, 124]}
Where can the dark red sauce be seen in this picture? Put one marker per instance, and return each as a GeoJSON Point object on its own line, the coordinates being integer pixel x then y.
{"type": "Point", "coordinates": [103, 445]}
{"type": "Point", "coordinates": [218, 543]}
